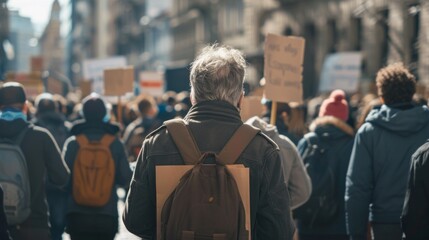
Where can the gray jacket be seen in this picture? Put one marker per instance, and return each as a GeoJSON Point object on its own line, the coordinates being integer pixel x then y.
{"type": "Point", "coordinates": [295, 175]}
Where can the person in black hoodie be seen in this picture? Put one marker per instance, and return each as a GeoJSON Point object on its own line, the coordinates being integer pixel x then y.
{"type": "Point", "coordinates": [49, 117]}
{"type": "Point", "coordinates": [415, 215]}
{"type": "Point", "coordinates": [4, 233]}
{"type": "Point", "coordinates": [87, 222]}
{"type": "Point", "coordinates": [42, 155]}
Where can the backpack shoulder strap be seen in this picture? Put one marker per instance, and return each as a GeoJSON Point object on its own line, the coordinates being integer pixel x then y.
{"type": "Point", "coordinates": [237, 143]}
{"type": "Point", "coordinates": [107, 139]}
{"type": "Point", "coordinates": [21, 136]}
{"type": "Point", "coordinates": [188, 148]}
{"type": "Point", "coordinates": [82, 139]}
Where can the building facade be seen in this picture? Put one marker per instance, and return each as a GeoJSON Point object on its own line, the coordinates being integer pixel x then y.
{"type": "Point", "coordinates": [23, 41]}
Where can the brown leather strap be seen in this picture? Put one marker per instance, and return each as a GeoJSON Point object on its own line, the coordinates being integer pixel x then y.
{"type": "Point", "coordinates": [237, 143]}
{"type": "Point", "coordinates": [188, 235]}
{"type": "Point", "coordinates": [219, 236]}
{"type": "Point", "coordinates": [184, 141]}
{"type": "Point", "coordinates": [82, 139]}
{"type": "Point", "coordinates": [107, 139]}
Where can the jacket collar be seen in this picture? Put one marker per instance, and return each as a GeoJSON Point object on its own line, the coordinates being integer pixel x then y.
{"type": "Point", "coordinates": [214, 110]}
{"type": "Point", "coordinates": [330, 120]}
{"type": "Point", "coordinates": [81, 126]}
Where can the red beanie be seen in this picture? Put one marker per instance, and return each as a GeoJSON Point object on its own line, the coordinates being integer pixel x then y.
{"type": "Point", "coordinates": [336, 105]}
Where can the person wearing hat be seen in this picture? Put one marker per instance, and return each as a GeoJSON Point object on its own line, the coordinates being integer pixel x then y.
{"type": "Point", "coordinates": [101, 222]}
{"type": "Point", "coordinates": [48, 116]}
{"type": "Point", "coordinates": [335, 136]}
{"type": "Point", "coordinates": [42, 155]}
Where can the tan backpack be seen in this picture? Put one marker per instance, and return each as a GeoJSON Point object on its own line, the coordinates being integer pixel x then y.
{"type": "Point", "coordinates": [206, 204]}
{"type": "Point", "coordinates": [93, 171]}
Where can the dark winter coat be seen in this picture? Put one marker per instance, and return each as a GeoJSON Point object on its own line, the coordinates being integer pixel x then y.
{"type": "Point", "coordinates": [336, 137]}
{"type": "Point", "coordinates": [380, 163]}
{"type": "Point", "coordinates": [415, 216]}
{"type": "Point", "coordinates": [94, 131]}
{"type": "Point", "coordinates": [212, 123]}
{"type": "Point", "coordinates": [43, 159]}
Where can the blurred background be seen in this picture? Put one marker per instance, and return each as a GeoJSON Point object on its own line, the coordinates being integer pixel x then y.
{"type": "Point", "coordinates": [60, 41]}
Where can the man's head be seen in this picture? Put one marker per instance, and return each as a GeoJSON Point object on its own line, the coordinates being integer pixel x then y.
{"type": "Point", "coordinates": [218, 74]}
{"type": "Point", "coordinates": [147, 106]}
{"type": "Point", "coordinates": [395, 84]}
{"type": "Point", "coordinates": [45, 103]}
{"type": "Point", "coordinates": [94, 108]}
{"type": "Point", "coordinates": [12, 95]}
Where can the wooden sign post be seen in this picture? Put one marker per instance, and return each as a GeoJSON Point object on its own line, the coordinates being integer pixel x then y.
{"type": "Point", "coordinates": [117, 82]}
{"type": "Point", "coordinates": [284, 57]}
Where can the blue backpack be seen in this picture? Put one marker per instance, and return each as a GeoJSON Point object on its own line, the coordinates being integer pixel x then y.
{"type": "Point", "coordinates": [14, 180]}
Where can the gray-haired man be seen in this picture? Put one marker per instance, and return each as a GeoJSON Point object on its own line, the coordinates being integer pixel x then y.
{"type": "Point", "coordinates": [216, 78]}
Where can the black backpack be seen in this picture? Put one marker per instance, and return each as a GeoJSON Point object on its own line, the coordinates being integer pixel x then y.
{"type": "Point", "coordinates": [322, 207]}
{"type": "Point", "coordinates": [206, 204]}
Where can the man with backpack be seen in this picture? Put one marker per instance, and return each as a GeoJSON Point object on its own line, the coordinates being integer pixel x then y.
{"type": "Point", "coordinates": [326, 151]}
{"type": "Point", "coordinates": [381, 157]}
{"type": "Point", "coordinates": [49, 117]}
{"type": "Point", "coordinates": [206, 133]}
{"type": "Point", "coordinates": [33, 156]}
{"type": "Point", "coordinates": [98, 163]}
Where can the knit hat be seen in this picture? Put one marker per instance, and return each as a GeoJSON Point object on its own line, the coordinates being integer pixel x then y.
{"type": "Point", "coordinates": [336, 105]}
{"type": "Point", "coordinates": [94, 108]}
{"type": "Point", "coordinates": [11, 93]}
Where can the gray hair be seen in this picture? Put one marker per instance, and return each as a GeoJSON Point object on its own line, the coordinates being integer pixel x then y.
{"type": "Point", "coordinates": [218, 74]}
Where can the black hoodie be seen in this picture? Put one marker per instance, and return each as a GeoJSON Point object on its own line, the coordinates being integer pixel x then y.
{"type": "Point", "coordinates": [43, 159]}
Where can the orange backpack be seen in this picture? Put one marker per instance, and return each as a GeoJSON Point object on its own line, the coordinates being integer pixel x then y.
{"type": "Point", "coordinates": [93, 171]}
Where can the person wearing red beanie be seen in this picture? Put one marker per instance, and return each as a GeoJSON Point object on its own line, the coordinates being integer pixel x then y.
{"type": "Point", "coordinates": [334, 137]}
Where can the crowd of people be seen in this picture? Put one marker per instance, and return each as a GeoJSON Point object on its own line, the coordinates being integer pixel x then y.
{"type": "Point", "coordinates": [336, 167]}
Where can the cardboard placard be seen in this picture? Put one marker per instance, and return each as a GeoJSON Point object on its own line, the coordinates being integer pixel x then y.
{"type": "Point", "coordinates": [251, 106]}
{"type": "Point", "coordinates": [85, 88]}
{"type": "Point", "coordinates": [118, 81]}
{"type": "Point", "coordinates": [283, 61]}
{"type": "Point", "coordinates": [36, 64]}
{"type": "Point", "coordinates": [93, 70]}
{"type": "Point", "coordinates": [168, 177]}
{"type": "Point", "coordinates": [341, 71]}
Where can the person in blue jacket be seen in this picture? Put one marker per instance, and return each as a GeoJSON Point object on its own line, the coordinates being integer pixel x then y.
{"type": "Point", "coordinates": [380, 162]}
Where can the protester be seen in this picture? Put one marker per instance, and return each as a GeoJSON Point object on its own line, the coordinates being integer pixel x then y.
{"type": "Point", "coordinates": [333, 137]}
{"type": "Point", "coordinates": [48, 115]}
{"type": "Point", "coordinates": [42, 156]}
{"type": "Point", "coordinates": [380, 161]}
{"type": "Point", "coordinates": [295, 175]}
{"type": "Point", "coordinates": [216, 78]}
{"type": "Point", "coordinates": [136, 131]}
{"type": "Point", "coordinates": [415, 216]}
{"type": "Point", "coordinates": [94, 218]}
{"type": "Point", "coordinates": [4, 233]}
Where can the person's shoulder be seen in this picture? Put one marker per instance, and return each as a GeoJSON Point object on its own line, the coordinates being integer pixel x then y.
{"type": "Point", "coordinates": [264, 141]}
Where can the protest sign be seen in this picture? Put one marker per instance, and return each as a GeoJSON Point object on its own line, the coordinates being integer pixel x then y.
{"type": "Point", "coordinates": [284, 57]}
{"type": "Point", "coordinates": [168, 177]}
{"type": "Point", "coordinates": [341, 71]}
{"type": "Point", "coordinates": [118, 81]}
{"type": "Point", "coordinates": [251, 106]}
{"type": "Point", "coordinates": [36, 64]}
{"type": "Point", "coordinates": [85, 88]}
{"type": "Point", "coordinates": [152, 83]}
{"type": "Point", "coordinates": [93, 70]}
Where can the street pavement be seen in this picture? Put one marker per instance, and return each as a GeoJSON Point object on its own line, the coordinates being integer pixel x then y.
{"type": "Point", "coordinates": [123, 233]}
